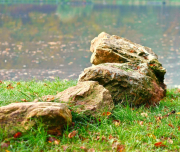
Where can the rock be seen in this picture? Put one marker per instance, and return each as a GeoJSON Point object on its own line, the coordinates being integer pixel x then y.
{"type": "Point", "coordinates": [22, 116]}
{"type": "Point", "coordinates": [87, 98]}
{"type": "Point", "coordinates": [115, 49]}
{"type": "Point", "coordinates": [131, 82]}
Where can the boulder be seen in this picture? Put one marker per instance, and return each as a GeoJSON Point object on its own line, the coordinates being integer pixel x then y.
{"type": "Point", "coordinates": [115, 49]}
{"type": "Point", "coordinates": [132, 82]}
{"type": "Point", "coordinates": [22, 116]}
{"type": "Point", "coordinates": [87, 98]}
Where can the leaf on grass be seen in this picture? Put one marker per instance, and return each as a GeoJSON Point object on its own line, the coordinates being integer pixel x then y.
{"type": "Point", "coordinates": [17, 135]}
{"type": "Point", "coordinates": [1, 82]}
{"type": "Point", "coordinates": [170, 140]}
{"type": "Point", "coordinates": [178, 128]}
{"type": "Point", "coordinates": [116, 122]}
{"type": "Point", "coordinates": [171, 125]}
{"type": "Point", "coordinates": [106, 113]}
{"type": "Point", "coordinates": [84, 148]}
{"type": "Point", "coordinates": [178, 113]}
{"type": "Point", "coordinates": [141, 123]}
{"type": "Point", "coordinates": [7, 150]}
{"type": "Point", "coordinates": [9, 86]}
{"type": "Point", "coordinates": [24, 100]}
{"type": "Point", "coordinates": [5, 144]}
{"type": "Point", "coordinates": [64, 147]}
{"type": "Point", "coordinates": [72, 134]}
{"type": "Point", "coordinates": [159, 144]}
{"type": "Point", "coordinates": [121, 148]}
{"type": "Point", "coordinates": [144, 114]}
{"type": "Point", "coordinates": [152, 136]}
{"type": "Point", "coordinates": [18, 83]}
{"type": "Point", "coordinates": [91, 150]}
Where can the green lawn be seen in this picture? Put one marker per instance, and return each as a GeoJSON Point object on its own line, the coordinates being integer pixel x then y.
{"type": "Point", "coordinates": [124, 129]}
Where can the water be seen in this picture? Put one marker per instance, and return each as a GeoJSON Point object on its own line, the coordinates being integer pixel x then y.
{"type": "Point", "coordinates": [45, 41]}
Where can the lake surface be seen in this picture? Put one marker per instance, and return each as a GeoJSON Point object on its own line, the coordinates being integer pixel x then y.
{"type": "Point", "coordinates": [46, 41]}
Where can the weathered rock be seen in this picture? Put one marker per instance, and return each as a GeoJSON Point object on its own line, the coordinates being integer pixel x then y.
{"type": "Point", "coordinates": [131, 82]}
{"type": "Point", "coordinates": [22, 116]}
{"type": "Point", "coordinates": [115, 49]}
{"type": "Point", "coordinates": [88, 98]}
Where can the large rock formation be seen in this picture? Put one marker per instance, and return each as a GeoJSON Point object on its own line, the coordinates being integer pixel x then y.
{"type": "Point", "coordinates": [131, 72]}
{"type": "Point", "coordinates": [87, 97]}
{"type": "Point", "coordinates": [115, 49]}
{"type": "Point", "coordinates": [22, 116]}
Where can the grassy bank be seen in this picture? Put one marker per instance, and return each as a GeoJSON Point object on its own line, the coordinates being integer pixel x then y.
{"type": "Point", "coordinates": [125, 128]}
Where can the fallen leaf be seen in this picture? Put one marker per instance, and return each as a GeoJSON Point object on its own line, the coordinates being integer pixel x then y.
{"type": "Point", "coordinates": [106, 113]}
{"type": "Point", "coordinates": [120, 148]}
{"type": "Point", "coordinates": [7, 150]}
{"type": "Point", "coordinates": [152, 136]}
{"type": "Point", "coordinates": [72, 134]}
{"type": "Point", "coordinates": [18, 83]}
{"type": "Point", "coordinates": [10, 86]}
{"type": "Point", "coordinates": [5, 144]}
{"type": "Point", "coordinates": [178, 113]}
{"type": "Point", "coordinates": [144, 114]}
{"type": "Point", "coordinates": [170, 141]}
{"type": "Point", "coordinates": [64, 147]}
{"type": "Point", "coordinates": [17, 135]}
{"type": "Point", "coordinates": [178, 128]}
{"type": "Point", "coordinates": [91, 150]}
{"type": "Point", "coordinates": [171, 125]}
{"type": "Point", "coordinates": [141, 123]}
{"type": "Point", "coordinates": [56, 142]}
{"type": "Point", "coordinates": [84, 148]}
{"type": "Point", "coordinates": [1, 82]}
{"type": "Point", "coordinates": [24, 100]}
{"type": "Point", "coordinates": [51, 139]}
{"type": "Point", "coordinates": [116, 122]}
{"type": "Point", "coordinates": [159, 144]}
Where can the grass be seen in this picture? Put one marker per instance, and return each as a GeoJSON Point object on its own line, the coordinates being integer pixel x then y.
{"type": "Point", "coordinates": [128, 129]}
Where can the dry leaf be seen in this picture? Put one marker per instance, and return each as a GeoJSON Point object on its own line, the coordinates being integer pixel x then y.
{"type": "Point", "coordinates": [91, 150]}
{"type": "Point", "coordinates": [170, 141]}
{"type": "Point", "coordinates": [120, 148]}
{"type": "Point", "coordinates": [17, 135]}
{"type": "Point", "coordinates": [152, 136]}
{"type": "Point", "coordinates": [7, 150]}
{"type": "Point", "coordinates": [24, 100]}
{"type": "Point", "coordinates": [178, 113]}
{"type": "Point", "coordinates": [64, 147]}
{"type": "Point", "coordinates": [84, 148]}
{"type": "Point", "coordinates": [144, 114]}
{"type": "Point", "coordinates": [5, 144]}
{"type": "Point", "coordinates": [141, 123]}
{"type": "Point", "coordinates": [116, 122]}
{"type": "Point", "coordinates": [171, 125]}
{"type": "Point", "coordinates": [10, 86]}
{"type": "Point", "coordinates": [72, 134]}
{"type": "Point", "coordinates": [159, 144]}
{"type": "Point", "coordinates": [106, 113]}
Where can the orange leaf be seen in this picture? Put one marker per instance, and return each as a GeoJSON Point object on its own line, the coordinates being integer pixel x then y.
{"type": "Point", "coordinates": [132, 51]}
{"type": "Point", "coordinates": [106, 113]}
{"type": "Point", "coordinates": [18, 83]}
{"type": "Point", "coordinates": [72, 134]}
{"type": "Point", "coordinates": [24, 100]}
{"type": "Point", "coordinates": [120, 148]}
{"type": "Point", "coordinates": [10, 86]}
{"type": "Point", "coordinates": [17, 135]}
{"type": "Point", "coordinates": [171, 125]}
{"type": "Point", "coordinates": [159, 144]}
{"type": "Point", "coordinates": [178, 128]}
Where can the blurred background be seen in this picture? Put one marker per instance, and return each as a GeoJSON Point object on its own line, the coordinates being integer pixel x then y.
{"type": "Point", "coordinates": [49, 39]}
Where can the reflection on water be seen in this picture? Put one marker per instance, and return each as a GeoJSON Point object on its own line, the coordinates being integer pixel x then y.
{"type": "Point", "coordinates": [53, 40]}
